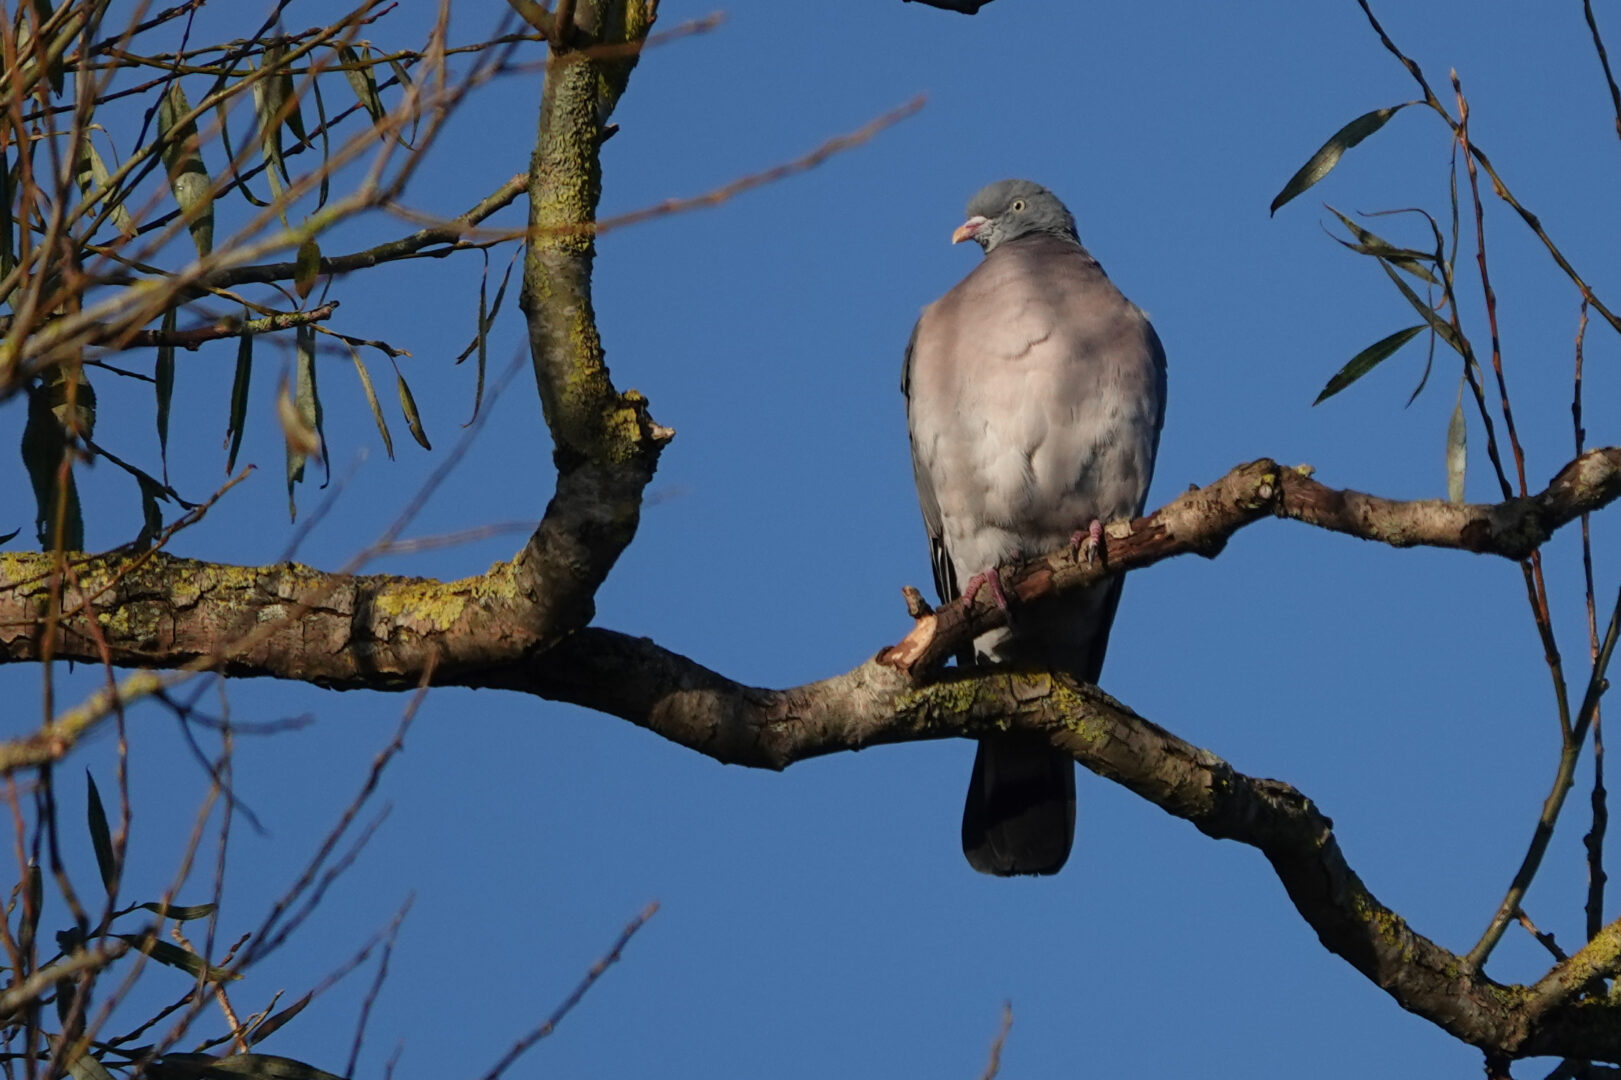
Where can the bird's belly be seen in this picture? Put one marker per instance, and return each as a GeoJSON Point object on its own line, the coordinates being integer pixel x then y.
{"type": "Point", "coordinates": [1037, 479]}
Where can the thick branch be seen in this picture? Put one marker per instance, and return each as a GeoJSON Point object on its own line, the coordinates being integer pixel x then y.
{"type": "Point", "coordinates": [289, 621]}
{"type": "Point", "coordinates": [379, 631]}
{"type": "Point", "coordinates": [606, 445]}
{"type": "Point", "coordinates": [637, 680]}
{"type": "Point", "coordinates": [383, 632]}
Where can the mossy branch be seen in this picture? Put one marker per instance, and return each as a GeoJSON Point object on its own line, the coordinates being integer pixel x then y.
{"type": "Point", "coordinates": [606, 445]}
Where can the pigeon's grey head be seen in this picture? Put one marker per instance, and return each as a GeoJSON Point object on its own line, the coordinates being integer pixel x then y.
{"type": "Point", "coordinates": [1009, 209]}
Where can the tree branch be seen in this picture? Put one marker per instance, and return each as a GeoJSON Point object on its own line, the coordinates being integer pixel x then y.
{"type": "Point", "coordinates": [635, 679]}
{"type": "Point", "coordinates": [379, 631]}
{"type": "Point", "coordinates": [195, 336]}
{"type": "Point", "coordinates": [384, 632]}
{"type": "Point", "coordinates": [1203, 519]}
{"type": "Point", "coordinates": [606, 445]}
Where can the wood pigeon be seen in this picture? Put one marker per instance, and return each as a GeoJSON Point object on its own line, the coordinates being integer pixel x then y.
{"type": "Point", "coordinates": [1035, 394]}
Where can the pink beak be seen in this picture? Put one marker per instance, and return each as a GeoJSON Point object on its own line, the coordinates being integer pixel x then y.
{"type": "Point", "coordinates": [967, 229]}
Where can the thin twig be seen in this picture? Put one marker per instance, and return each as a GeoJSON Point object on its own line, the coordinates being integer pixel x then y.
{"type": "Point", "coordinates": [1551, 806]}
{"type": "Point", "coordinates": [1604, 61]}
{"type": "Point", "coordinates": [994, 1065]}
{"type": "Point", "coordinates": [836, 145]}
{"type": "Point", "coordinates": [219, 329]}
{"type": "Point", "coordinates": [1544, 938]}
{"type": "Point", "coordinates": [1488, 293]}
{"type": "Point", "coordinates": [376, 987]}
{"type": "Point", "coordinates": [1594, 840]}
{"type": "Point", "coordinates": [442, 231]}
{"type": "Point", "coordinates": [596, 972]}
{"type": "Point", "coordinates": [1498, 186]}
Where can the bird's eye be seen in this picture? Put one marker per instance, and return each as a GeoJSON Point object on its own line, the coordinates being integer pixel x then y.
{"type": "Point", "coordinates": [1018, 205]}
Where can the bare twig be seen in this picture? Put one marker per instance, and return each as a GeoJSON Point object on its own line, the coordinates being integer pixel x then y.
{"type": "Point", "coordinates": [376, 988]}
{"type": "Point", "coordinates": [549, 1025]}
{"type": "Point", "coordinates": [229, 328]}
{"type": "Point", "coordinates": [994, 1065]}
{"type": "Point", "coordinates": [1544, 938]}
{"type": "Point", "coordinates": [1594, 840]}
{"type": "Point", "coordinates": [1564, 777]}
{"type": "Point", "coordinates": [1499, 188]}
{"type": "Point", "coordinates": [1604, 62]}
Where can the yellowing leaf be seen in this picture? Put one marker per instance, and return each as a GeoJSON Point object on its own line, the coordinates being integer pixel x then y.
{"type": "Point", "coordinates": [182, 158]}
{"type": "Point", "coordinates": [307, 267]}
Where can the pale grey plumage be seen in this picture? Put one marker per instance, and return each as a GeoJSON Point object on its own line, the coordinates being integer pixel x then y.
{"type": "Point", "coordinates": [1035, 395]}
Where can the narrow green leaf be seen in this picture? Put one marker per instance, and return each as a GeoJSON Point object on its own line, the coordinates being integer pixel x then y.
{"type": "Point", "coordinates": [101, 837]}
{"type": "Point", "coordinates": [485, 321]}
{"type": "Point", "coordinates": [306, 267]}
{"type": "Point", "coordinates": [270, 101]}
{"type": "Point", "coordinates": [176, 957]}
{"type": "Point", "coordinates": [222, 114]}
{"type": "Point", "coordinates": [1366, 360]}
{"type": "Point", "coordinates": [358, 69]}
{"type": "Point", "coordinates": [73, 401]}
{"type": "Point", "coordinates": [408, 405]}
{"type": "Point", "coordinates": [305, 337]}
{"type": "Point", "coordinates": [239, 399]}
{"type": "Point", "coordinates": [1369, 243]}
{"type": "Point", "coordinates": [31, 49]}
{"type": "Point", "coordinates": [483, 346]}
{"type": "Point", "coordinates": [1328, 155]}
{"type": "Point", "coordinates": [275, 1023]}
{"type": "Point", "coordinates": [371, 399]}
{"type": "Point", "coordinates": [151, 513]}
{"type": "Point", "coordinates": [295, 115]}
{"type": "Point", "coordinates": [85, 1067]}
{"type": "Point", "coordinates": [38, 48]}
{"type": "Point", "coordinates": [48, 456]}
{"type": "Point", "coordinates": [481, 337]}
{"type": "Point", "coordinates": [178, 912]}
{"type": "Point", "coordinates": [57, 71]}
{"type": "Point", "coordinates": [95, 182]}
{"type": "Point", "coordinates": [404, 77]}
{"type": "Point", "coordinates": [1457, 450]}
{"type": "Point", "coordinates": [6, 538]}
{"type": "Point", "coordinates": [302, 426]}
{"type": "Point", "coordinates": [183, 160]}
{"type": "Point", "coordinates": [324, 170]}
{"type": "Point", "coordinates": [1424, 376]}
{"type": "Point", "coordinates": [163, 383]}
{"type": "Point", "coordinates": [1442, 328]}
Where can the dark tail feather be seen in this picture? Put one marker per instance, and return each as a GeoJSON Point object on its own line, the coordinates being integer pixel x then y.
{"type": "Point", "coordinates": [1020, 814]}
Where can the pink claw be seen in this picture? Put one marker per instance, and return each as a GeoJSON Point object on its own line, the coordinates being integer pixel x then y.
{"type": "Point", "coordinates": [987, 578]}
{"type": "Point", "coordinates": [1087, 545]}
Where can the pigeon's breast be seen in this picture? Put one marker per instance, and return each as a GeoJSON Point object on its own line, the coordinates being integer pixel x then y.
{"type": "Point", "coordinates": [1043, 408]}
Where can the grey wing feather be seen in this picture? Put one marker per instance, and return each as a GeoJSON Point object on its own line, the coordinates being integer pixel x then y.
{"type": "Point", "coordinates": [945, 574]}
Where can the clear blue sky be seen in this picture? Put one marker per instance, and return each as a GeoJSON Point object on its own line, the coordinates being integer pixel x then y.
{"type": "Point", "coordinates": [823, 922]}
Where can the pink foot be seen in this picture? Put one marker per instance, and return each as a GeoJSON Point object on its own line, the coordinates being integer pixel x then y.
{"type": "Point", "coordinates": [983, 579]}
{"type": "Point", "coordinates": [1088, 545]}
